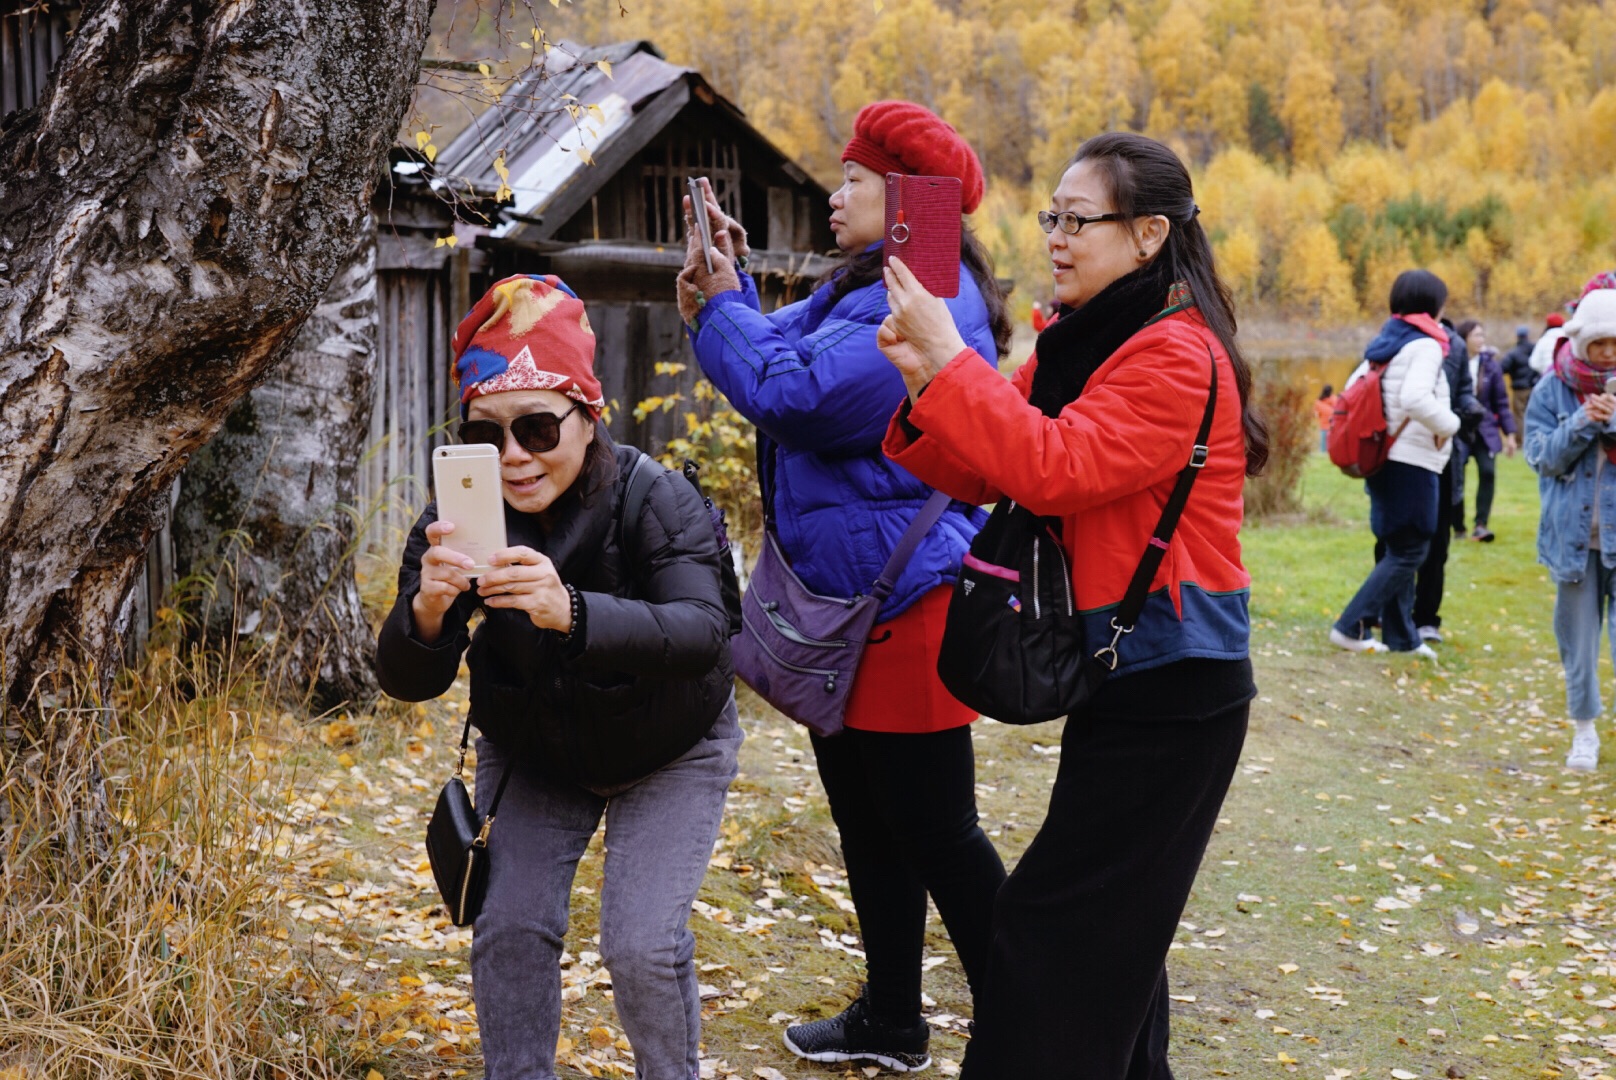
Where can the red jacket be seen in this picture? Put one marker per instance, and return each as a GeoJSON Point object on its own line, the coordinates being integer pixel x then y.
{"type": "Point", "coordinates": [1106, 466]}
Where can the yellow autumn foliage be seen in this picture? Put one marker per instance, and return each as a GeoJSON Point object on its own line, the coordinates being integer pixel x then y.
{"type": "Point", "coordinates": [1331, 140]}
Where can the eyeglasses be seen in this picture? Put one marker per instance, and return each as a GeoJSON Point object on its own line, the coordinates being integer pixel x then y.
{"type": "Point", "coordinates": [1072, 223]}
{"type": "Point", "coordinates": [535, 432]}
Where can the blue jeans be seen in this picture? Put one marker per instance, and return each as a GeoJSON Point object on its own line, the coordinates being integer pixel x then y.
{"type": "Point", "coordinates": [659, 836]}
{"type": "Point", "coordinates": [1579, 610]}
{"type": "Point", "coordinates": [1403, 517]}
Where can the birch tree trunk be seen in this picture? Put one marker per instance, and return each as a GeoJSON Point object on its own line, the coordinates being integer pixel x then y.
{"type": "Point", "coordinates": [266, 508]}
{"type": "Point", "coordinates": [170, 213]}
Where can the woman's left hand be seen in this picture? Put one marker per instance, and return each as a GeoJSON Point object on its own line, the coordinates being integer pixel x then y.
{"type": "Point", "coordinates": [526, 580]}
{"type": "Point", "coordinates": [1510, 445]}
{"type": "Point", "coordinates": [919, 336]}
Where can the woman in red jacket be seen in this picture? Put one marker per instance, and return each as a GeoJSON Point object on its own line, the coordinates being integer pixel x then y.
{"type": "Point", "coordinates": [1095, 430]}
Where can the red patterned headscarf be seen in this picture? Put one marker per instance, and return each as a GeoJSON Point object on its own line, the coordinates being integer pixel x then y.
{"type": "Point", "coordinates": [527, 333]}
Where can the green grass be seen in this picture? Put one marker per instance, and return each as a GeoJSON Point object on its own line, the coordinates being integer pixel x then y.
{"type": "Point", "coordinates": [1364, 776]}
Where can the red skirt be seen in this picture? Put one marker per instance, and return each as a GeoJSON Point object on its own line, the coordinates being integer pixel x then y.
{"type": "Point", "coordinates": [897, 688]}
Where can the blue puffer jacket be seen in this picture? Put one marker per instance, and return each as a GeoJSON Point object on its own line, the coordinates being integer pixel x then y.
{"type": "Point", "coordinates": [1562, 444]}
{"type": "Point", "coordinates": [821, 394]}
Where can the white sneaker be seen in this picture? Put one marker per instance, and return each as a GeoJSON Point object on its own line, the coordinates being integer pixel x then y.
{"type": "Point", "coordinates": [1431, 634]}
{"type": "Point", "coordinates": [1423, 650]}
{"type": "Point", "coordinates": [1584, 756]}
{"type": "Point", "coordinates": [1352, 644]}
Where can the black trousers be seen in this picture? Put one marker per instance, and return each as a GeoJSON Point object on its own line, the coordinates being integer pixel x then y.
{"type": "Point", "coordinates": [1432, 579]}
{"type": "Point", "coordinates": [1077, 981]}
{"type": "Point", "coordinates": [906, 808]}
{"type": "Point", "coordinates": [1486, 485]}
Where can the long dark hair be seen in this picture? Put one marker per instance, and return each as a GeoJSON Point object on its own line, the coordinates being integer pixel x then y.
{"type": "Point", "coordinates": [1146, 178]}
{"type": "Point", "coordinates": [864, 268]}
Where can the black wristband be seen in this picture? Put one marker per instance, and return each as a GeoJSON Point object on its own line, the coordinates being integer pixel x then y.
{"type": "Point", "coordinates": [575, 636]}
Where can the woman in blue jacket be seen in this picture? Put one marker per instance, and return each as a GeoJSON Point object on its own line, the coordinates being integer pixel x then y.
{"type": "Point", "coordinates": [901, 777]}
{"type": "Point", "coordinates": [1571, 442]}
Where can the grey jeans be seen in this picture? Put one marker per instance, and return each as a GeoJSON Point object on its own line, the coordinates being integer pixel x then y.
{"type": "Point", "coordinates": [1580, 613]}
{"type": "Point", "coordinates": [659, 836]}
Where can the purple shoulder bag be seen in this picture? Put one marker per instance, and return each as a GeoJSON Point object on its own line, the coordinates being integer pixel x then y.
{"type": "Point", "coordinates": [800, 651]}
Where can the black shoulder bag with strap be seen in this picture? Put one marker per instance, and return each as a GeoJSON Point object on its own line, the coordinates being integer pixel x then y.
{"type": "Point", "coordinates": [457, 841]}
{"type": "Point", "coordinates": [1013, 645]}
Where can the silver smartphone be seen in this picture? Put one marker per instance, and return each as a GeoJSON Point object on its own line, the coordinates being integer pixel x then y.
{"type": "Point", "coordinates": [466, 481]}
{"type": "Point", "coordinates": [704, 224]}
{"type": "Point", "coordinates": [1610, 385]}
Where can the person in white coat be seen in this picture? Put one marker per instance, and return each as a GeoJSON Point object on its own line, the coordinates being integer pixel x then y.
{"type": "Point", "coordinates": [1543, 352]}
{"type": "Point", "coordinates": [1403, 494]}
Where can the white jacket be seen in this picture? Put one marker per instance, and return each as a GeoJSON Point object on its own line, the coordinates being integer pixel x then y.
{"type": "Point", "coordinates": [1416, 389]}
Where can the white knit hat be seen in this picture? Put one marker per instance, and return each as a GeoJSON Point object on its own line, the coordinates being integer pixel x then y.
{"type": "Point", "coordinates": [1595, 319]}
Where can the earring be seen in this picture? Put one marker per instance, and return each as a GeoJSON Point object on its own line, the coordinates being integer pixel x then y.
{"type": "Point", "coordinates": [1141, 253]}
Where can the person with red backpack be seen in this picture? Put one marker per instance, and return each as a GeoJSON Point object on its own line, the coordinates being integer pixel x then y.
{"type": "Point", "coordinates": [1402, 471]}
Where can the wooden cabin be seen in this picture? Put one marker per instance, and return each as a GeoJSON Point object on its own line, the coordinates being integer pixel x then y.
{"type": "Point", "coordinates": [607, 220]}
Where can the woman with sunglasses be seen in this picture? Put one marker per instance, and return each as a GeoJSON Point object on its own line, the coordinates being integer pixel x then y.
{"type": "Point", "coordinates": [1096, 430]}
{"type": "Point", "coordinates": [901, 777]}
{"type": "Point", "coordinates": [600, 673]}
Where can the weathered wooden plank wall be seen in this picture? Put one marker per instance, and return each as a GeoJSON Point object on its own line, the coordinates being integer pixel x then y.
{"type": "Point", "coordinates": [631, 339]}
{"type": "Point", "coordinates": [414, 403]}
{"type": "Point", "coordinates": [32, 36]}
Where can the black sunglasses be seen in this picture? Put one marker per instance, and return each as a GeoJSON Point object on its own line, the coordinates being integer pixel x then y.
{"type": "Point", "coordinates": [535, 432]}
{"type": "Point", "coordinates": [1072, 223]}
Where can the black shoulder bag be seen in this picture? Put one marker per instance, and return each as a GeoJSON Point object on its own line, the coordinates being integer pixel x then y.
{"type": "Point", "coordinates": [1013, 644]}
{"type": "Point", "coordinates": [457, 841]}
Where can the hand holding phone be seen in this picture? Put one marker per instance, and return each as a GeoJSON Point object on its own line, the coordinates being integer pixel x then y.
{"type": "Point", "coordinates": [700, 221]}
{"type": "Point", "coordinates": [1600, 407]}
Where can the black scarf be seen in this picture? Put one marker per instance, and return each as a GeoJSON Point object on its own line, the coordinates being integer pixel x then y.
{"type": "Point", "coordinates": [1073, 347]}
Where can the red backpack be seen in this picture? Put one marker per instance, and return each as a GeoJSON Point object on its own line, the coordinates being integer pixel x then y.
{"type": "Point", "coordinates": [1359, 442]}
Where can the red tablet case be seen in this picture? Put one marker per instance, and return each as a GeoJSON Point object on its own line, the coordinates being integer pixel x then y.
{"type": "Point", "coordinates": [923, 229]}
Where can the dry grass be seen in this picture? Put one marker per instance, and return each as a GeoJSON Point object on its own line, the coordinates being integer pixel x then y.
{"type": "Point", "coordinates": [142, 850]}
{"type": "Point", "coordinates": [1292, 437]}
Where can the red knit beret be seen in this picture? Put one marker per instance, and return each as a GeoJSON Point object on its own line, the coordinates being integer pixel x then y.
{"type": "Point", "coordinates": [902, 137]}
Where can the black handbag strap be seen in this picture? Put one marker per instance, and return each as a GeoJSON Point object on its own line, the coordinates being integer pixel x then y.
{"type": "Point", "coordinates": [1133, 601]}
{"type": "Point", "coordinates": [635, 492]}
{"type": "Point", "coordinates": [499, 792]}
{"type": "Point", "coordinates": [908, 542]}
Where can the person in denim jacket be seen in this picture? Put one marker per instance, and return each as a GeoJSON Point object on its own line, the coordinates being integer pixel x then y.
{"type": "Point", "coordinates": [1571, 442]}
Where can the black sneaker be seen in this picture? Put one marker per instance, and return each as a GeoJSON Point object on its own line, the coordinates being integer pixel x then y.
{"type": "Point", "coordinates": [856, 1034]}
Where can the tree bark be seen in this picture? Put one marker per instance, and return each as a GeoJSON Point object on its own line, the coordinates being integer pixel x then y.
{"type": "Point", "coordinates": [169, 214]}
{"type": "Point", "coordinates": [266, 508]}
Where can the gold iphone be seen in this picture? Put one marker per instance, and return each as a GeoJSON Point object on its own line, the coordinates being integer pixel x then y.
{"type": "Point", "coordinates": [466, 482]}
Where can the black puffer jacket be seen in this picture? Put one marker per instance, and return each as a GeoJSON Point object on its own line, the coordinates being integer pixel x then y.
{"type": "Point", "coordinates": [647, 674]}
